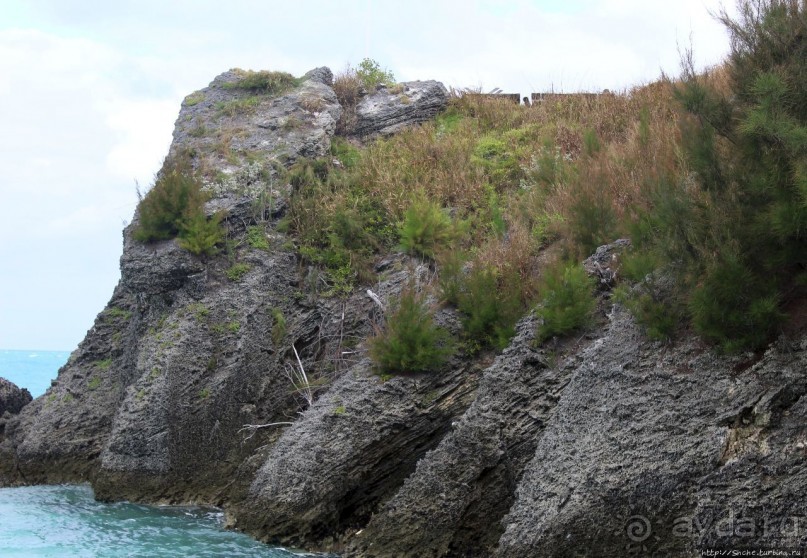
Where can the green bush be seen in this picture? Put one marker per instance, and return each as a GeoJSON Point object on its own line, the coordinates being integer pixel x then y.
{"type": "Point", "coordinates": [591, 218]}
{"type": "Point", "coordinates": [734, 307]}
{"type": "Point", "coordinates": [336, 222]}
{"type": "Point", "coordinates": [279, 327]}
{"type": "Point", "coordinates": [657, 316]}
{"type": "Point", "coordinates": [200, 235]}
{"type": "Point", "coordinates": [237, 271]}
{"type": "Point", "coordinates": [371, 74]}
{"type": "Point", "coordinates": [175, 206]}
{"type": "Point", "coordinates": [256, 237]}
{"type": "Point", "coordinates": [426, 228]}
{"type": "Point", "coordinates": [345, 153]}
{"type": "Point", "coordinates": [498, 159]}
{"type": "Point", "coordinates": [450, 276]}
{"type": "Point", "coordinates": [733, 228]}
{"type": "Point", "coordinates": [568, 301]}
{"type": "Point", "coordinates": [175, 197]}
{"type": "Point", "coordinates": [410, 341]}
{"type": "Point", "coordinates": [491, 304]}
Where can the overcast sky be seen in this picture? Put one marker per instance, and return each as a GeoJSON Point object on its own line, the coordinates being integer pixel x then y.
{"type": "Point", "coordinates": [90, 89]}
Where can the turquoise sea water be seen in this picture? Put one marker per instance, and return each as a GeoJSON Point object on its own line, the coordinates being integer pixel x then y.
{"type": "Point", "coordinates": [65, 521]}
{"type": "Point", "coordinates": [31, 369]}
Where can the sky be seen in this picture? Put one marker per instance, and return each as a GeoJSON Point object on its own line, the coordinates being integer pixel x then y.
{"type": "Point", "coordinates": [90, 90]}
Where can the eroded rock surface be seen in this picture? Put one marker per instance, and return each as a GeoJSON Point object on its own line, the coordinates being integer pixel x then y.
{"type": "Point", "coordinates": [647, 439]}
{"type": "Point", "coordinates": [12, 397]}
{"type": "Point", "coordinates": [389, 109]}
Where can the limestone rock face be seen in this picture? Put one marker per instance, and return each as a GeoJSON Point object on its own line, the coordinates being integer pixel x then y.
{"type": "Point", "coordinates": [653, 450]}
{"type": "Point", "coordinates": [451, 504]}
{"type": "Point", "coordinates": [353, 448]}
{"type": "Point", "coordinates": [389, 109]}
{"type": "Point", "coordinates": [12, 398]}
{"type": "Point", "coordinates": [225, 125]}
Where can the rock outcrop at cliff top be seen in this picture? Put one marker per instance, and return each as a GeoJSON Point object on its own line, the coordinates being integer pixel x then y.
{"type": "Point", "coordinates": [12, 397]}
{"type": "Point", "coordinates": [390, 109]}
{"type": "Point", "coordinates": [607, 445]}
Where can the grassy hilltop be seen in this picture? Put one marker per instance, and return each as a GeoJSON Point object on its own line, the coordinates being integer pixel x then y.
{"type": "Point", "coordinates": [705, 173]}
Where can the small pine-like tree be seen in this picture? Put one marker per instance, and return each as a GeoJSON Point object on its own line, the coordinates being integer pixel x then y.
{"type": "Point", "coordinates": [175, 206]}
{"type": "Point", "coordinates": [426, 228]}
{"type": "Point", "coordinates": [410, 340]}
{"type": "Point", "coordinates": [200, 235]}
{"type": "Point", "coordinates": [568, 301]}
{"type": "Point", "coordinates": [371, 74]}
{"type": "Point", "coordinates": [175, 198]}
{"type": "Point", "coordinates": [736, 230]}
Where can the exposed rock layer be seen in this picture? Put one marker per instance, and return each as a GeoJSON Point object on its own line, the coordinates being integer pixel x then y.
{"type": "Point", "coordinates": [390, 109]}
{"type": "Point", "coordinates": [12, 397]}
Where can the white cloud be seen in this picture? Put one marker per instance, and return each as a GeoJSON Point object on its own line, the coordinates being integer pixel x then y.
{"type": "Point", "coordinates": [143, 129]}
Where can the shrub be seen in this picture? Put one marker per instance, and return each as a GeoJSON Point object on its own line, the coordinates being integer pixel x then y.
{"type": "Point", "coordinates": [491, 304]}
{"type": "Point", "coordinates": [336, 222]}
{"type": "Point", "coordinates": [568, 301]}
{"type": "Point", "coordinates": [498, 159]}
{"type": "Point", "coordinates": [450, 278]}
{"type": "Point", "coordinates": [732, 225]}
{"type": "Point", "coordinates": [658, 316]}
{"type": "Point", "coordinates": [175, 197]}
{"type": "Point", "coordinates": [347, 86]}
{"type": "Point", "coordinates": [733, 306]}
{"type": "Point", "coordinates": [278, 326]}
{"type": "Point", "coordinates": [256, 237]}
{"type": "Point", "coordinates": [426, 228]}
{"type": "Point", "coordinates": [410, 341]}
{"type": "Point", "coordinates": [591, 219]}
{"type": "Point", "coordinates": [371, 74]}
{"type": "Point", "coordinates": [346, 153]}
{"type": "Point", "coordinates": [199, 234]}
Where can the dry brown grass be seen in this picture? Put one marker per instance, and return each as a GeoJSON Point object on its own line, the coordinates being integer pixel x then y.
{"type": "Point", "coordinates": [347, 86]}
{"type": "Point", "coordinates": [515, 257]}
{"type": "Point", "coordinates": [419, 159]}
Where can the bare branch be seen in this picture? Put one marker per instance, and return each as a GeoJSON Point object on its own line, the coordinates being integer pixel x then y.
{"type": "Point", "coordinates": [253, 428]}
{"type": "Point", "coordinates": [374, 297]}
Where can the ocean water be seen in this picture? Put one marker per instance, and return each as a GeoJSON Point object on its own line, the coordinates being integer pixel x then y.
{"type": "Point", "coordinates": [32, 369]}
{"type": "Point", "coordinates": [65, 521]}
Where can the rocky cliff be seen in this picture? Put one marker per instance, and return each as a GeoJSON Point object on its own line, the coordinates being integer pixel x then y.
{"type": "Point", "coordinates": [185, 390]}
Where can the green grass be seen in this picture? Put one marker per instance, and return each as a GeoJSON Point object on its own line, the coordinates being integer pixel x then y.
{"type": "Point", "coordinates": [264, 82]}
{"type": "Point", "coordinates": [103, 364]}
{"type": "Point", "coordinates": [256, 238]}
{"type": "Point", "coordinates": [117, 313]}
{"type": "Point", "coordinates": [193, 99]}
{"type": "Point", "coordinates": [237, 272]}
{"type": "Point", "coordinates": [236, 107]}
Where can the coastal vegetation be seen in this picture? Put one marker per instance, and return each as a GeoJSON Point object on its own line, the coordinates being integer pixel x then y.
{"type": "Point", "coordinates": [704, 173]}
{"type": "Point", "coordinates": [174, 207]}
